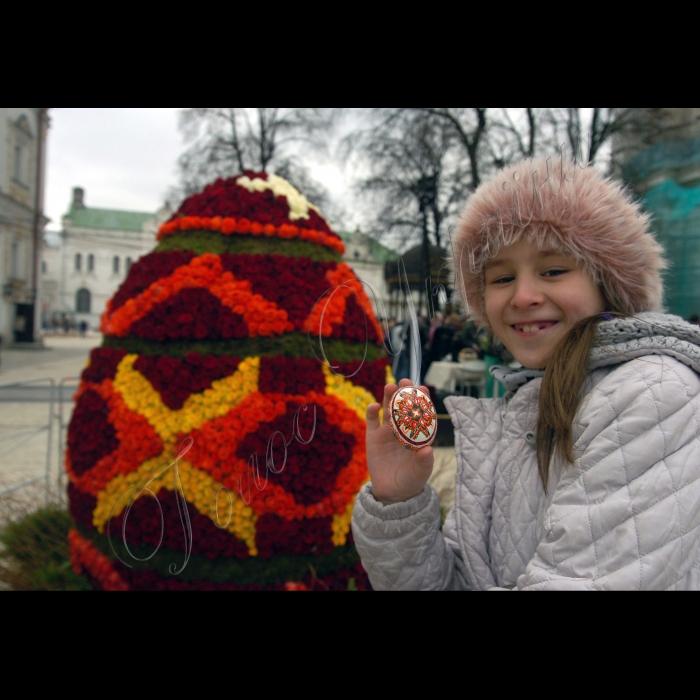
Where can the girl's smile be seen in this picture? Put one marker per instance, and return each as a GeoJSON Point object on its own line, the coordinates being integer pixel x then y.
{"type": "Point", "coordinates": [533, 297]}
{"type": "Point", "coordinates": [529, 330]}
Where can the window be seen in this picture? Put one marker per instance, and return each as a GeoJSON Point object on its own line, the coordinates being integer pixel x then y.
{"type": "Point", "coordinates": [78, 262]}
{"type": "Point", "coordinates": [91, 263]}
{"type": "Point", "coordinates": [115, 264]}
{"type": "Point", "coordinates": [18, 163]}
{"type": "Point", "coordinates": [44, 267]}
{"type": "Point", "coordinates": [14, 260]}
{"type": "Point", "coordinates": [82, 301]}
{"type": "Point", "coordinates": [128, 264]}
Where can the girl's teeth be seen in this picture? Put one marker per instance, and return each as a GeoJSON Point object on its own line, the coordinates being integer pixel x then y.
{"type": "Point", "coordinates": [530, 329]}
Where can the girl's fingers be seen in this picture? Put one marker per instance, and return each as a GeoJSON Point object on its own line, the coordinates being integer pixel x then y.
{"type": "Point", "coordinates": [389, 391]}
{"type": "Point", "coordinates": [425, 457]}
{"type": "Point", "coordinates": [373, 416]}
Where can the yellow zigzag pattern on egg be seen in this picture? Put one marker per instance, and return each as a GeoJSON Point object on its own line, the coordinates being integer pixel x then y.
{"type": "Point", "coordinates": [215, 402]}
{"type": "Point", "coordinates": [357, 398]}
{"type": "Point", "coordinates": [198, 487]}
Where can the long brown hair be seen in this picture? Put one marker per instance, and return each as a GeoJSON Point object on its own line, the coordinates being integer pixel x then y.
{"type": "Point", "coordinates": [561, 393]}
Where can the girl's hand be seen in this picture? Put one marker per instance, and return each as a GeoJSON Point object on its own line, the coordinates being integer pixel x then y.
{"type": "Point", "coordinates": [397, 473]}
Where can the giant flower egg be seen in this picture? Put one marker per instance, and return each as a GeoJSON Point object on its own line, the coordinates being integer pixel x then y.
{"type": "Point", "coordinates": [211, 447]}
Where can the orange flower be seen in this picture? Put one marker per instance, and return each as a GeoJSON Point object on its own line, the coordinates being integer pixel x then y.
{"type": "Point", "coordinates": [138, 442]}
{"type": "Point", "coordinates": [263, 317]}
{"type": "Point", "coordinates": [332, 307]}
{"type": "Point", "coordinates": [85, 557]}
{"type": "Point", "coordinates": [219, 459]}
{"type": "Point", "coordinates": [229, 225]}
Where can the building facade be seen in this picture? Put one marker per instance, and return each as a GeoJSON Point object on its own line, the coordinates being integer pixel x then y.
{"type": "Point", "coordinates": [97, 248]}
{"type": "Point", "coordinates": [368, 257]}
{"type": "Point", "coordinates": [22, 166]}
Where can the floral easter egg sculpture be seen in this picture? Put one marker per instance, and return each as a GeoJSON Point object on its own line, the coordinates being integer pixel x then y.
{"type": "Point", "coordinates": [210, 448]}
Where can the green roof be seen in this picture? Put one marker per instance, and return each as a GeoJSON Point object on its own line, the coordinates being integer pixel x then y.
{"type": "Point", "coordinates": [379, 252]}
{"type": "Point", "coordinates": [110, 219]}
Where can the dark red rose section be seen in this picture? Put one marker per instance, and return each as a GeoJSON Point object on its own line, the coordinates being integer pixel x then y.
{"type": "Point", "coordinates": [294, 284]}
{"type": "Point", "coordinates": [225, 198]}
{"type": "Point", "coordinates": [371, 375]}
{"type": "Point", "coordinates": [149, 580]}
{"type": "Point", "coordinates": [192, 314]}
{"type": "Point", "coordinates": [90, 435]}
{"type": "Point", "coordinates": [143, 528]}
{"type": "Point", "coordinates": [177, 379]}
{"type": "Point", "coordinates": [81, 506]}
{"type": "Point", "coordinates": [103, 364]}
{"type": "Point", "coordinates": [289, 375]}
{"type": "Point", "coordinates": [310, 472]}
{"type": "Point", "coordinates": [147, 270]}
{"type": "Point", "coordinates": [353, 326]}
{"type": "Point", "coordinates": [275, 535]}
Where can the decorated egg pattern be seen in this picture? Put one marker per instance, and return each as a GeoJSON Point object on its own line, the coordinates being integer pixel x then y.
{"type": "Point", "coordinates": [210, 448]}
{"type": "Point", "coordinates": [412, 418]}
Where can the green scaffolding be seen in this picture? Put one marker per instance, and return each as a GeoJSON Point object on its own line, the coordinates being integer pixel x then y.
{"type": "Point", "coordinates": [676, 223]}
{"type": "Point", "coordinates": [675, 211]}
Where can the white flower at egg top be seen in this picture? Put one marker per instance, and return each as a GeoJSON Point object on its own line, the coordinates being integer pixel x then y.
{"type": "Point", "coordinates": [299, 206]}
{"type": "Point", "coordinates": [412, 418]}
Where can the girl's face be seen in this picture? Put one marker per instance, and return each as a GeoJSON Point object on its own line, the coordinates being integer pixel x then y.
{"type": "Point", "coordinates": [533, 297]}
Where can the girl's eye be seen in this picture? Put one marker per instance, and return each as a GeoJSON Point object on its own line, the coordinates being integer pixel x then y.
{"type": "Point", "coordinates": [503, 280]}
{"type": "Point", "coordinates": [554, 273]}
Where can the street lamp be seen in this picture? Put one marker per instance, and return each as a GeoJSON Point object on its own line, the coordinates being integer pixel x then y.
{"type": "Point", "coordinates": [426, 188]}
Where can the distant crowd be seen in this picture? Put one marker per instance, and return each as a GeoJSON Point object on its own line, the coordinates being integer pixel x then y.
{"type": "Point", "coordinates": [448, 338]}
{"type": "Point", "coordinates": [66, 325]}
{"type": "Point", "coordinates": [445, 338]}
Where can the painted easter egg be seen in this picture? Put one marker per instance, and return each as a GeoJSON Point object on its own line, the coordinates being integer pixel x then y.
{"type": "Point", "coordinates": [210, 447]}
{"type": "Point", "coordinates": [412, 418]}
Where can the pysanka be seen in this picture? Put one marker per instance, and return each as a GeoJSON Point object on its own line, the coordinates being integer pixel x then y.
{"type": "Point", "coordinates": [205, 345]}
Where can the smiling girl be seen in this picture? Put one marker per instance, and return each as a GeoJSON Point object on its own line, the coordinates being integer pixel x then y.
{"type": "Point", "coordinates": [586, 476]}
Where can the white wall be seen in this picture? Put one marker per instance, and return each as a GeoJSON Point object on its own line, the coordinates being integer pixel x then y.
{"type": "Point", "coordinates": [102, 282]}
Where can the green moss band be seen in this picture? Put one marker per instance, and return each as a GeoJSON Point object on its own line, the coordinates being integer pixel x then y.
{"type": "Point", "coordinates": [242, 572]}
{"type": "Point", "coordinates": [201, 242]}
{"type": "Point", "coordinates": [289, 345]}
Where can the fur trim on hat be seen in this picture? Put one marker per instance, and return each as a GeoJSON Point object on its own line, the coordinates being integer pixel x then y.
{"type": "Point", "coordinates": [576, 211]}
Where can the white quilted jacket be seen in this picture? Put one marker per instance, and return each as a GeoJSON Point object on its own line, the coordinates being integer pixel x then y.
{"type": "Point", "coordinates": [625, 515]}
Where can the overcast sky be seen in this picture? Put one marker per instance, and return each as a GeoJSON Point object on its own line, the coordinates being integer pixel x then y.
{"type": "Point", "coordinates": [125, 158]}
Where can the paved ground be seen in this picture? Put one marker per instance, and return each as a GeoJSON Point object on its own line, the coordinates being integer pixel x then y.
{"type": "Point", "coordinates": [24, 413]}
{"type": "Point", "coordinates": [24, 409]}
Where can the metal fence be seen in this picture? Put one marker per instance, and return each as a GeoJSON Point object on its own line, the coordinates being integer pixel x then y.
{"type": "Point", "coordinates": [28, 435]}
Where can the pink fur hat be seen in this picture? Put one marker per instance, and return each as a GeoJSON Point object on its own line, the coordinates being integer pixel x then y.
{"type": "Point", "coordinates": [561, 206]}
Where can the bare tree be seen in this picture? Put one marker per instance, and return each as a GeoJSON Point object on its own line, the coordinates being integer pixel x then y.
{"type": "Point", "coordinates": [414, 175]}
{"type": "Point", "coordinates": [469, 126]}
{"type": "Point", "coordinates": [416, 178]}
{"type": "Point", "coordinates": [513, 133]}
{"type": "Point", "coordinates": [611, 133]}
{"type": "Point", "coordinates": [224, 141]}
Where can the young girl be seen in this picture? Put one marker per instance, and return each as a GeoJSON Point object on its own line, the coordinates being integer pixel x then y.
{"type": "Point", "coordinates": [586, 475]}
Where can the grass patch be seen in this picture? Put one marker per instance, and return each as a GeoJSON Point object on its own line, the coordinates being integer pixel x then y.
{"type": "Point", "coordinates": [34, 552]}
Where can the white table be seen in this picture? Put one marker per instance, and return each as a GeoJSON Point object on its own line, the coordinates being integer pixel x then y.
{"type": "Point", "coordinates": [445, 376]}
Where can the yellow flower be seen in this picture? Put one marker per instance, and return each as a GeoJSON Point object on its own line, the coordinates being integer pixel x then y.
{"type": "Point", "coordinates": [198, 487]}
{"type": "Point", "coordinates": [223, 395]}
{"type": "Point", "coordinates": [357, 398]}
{"type": "Point", "coordinates": [341, 526]}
